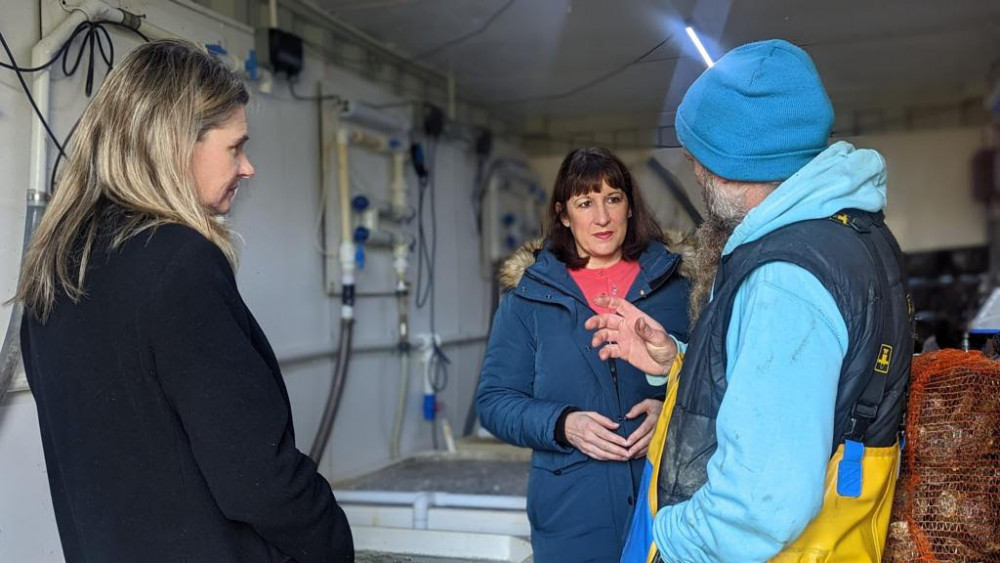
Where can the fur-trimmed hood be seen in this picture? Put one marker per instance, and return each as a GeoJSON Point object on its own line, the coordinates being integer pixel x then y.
{"type": "Point", "coordinates": [514, 266]}
{"type": "Point", "coordinates": [523, 258]}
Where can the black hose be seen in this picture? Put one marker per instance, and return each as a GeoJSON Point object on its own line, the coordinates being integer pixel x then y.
{"type": "Point", "coordinates": [336, 391]}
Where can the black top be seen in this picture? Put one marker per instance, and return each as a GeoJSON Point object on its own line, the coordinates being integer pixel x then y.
{"type": "Point", "coordinates": [165, 422]}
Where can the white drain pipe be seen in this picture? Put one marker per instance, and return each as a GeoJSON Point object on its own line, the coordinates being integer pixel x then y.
{"type": "Point", "coordinates": [423, 501]}
{"type": "Point", "coordinates": [44, 50]}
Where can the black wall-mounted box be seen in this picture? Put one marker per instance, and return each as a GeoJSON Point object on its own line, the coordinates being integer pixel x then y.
{"type": "Point", "coordinates": [279, 51]}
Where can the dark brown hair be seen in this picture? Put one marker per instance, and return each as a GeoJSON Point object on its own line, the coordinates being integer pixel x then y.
{"type": "Point", "coordinates": [581, 172]}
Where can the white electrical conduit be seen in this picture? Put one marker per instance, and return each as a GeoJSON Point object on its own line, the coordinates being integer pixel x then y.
{"type": "Point", "coordinates": [344, 186]}
{"type": "Point", "coordinates": [37, 189]}
{"type": "Point", "coordinates": [421, 502]}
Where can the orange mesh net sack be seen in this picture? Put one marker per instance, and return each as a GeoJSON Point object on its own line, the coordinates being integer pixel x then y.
{"type": "Point", "coordinates": [947, 503]}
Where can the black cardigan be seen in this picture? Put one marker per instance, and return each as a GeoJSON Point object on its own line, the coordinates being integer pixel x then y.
{"type": "Point", "coordinates": [165, 422]}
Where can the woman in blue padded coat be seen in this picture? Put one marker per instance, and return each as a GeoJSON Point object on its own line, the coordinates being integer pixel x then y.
{"type": "Point", "coordinates": [544, 387]}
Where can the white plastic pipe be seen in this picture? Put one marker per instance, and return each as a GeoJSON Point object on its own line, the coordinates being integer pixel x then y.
{"type": "Point", "coordinates": [423, 501]}
{"type": "Point", "coordinates": [364, 115]}
{"type": "Point", "coordinates": [421, 506]}
{"type": "Point", "coordinates": [273, 8]}
{"type": "Point", "coordinates": [397, 191]}
{"type": "Point", "coordinates": [434, 499]}
{"type": "Point", "coordinates": [401, 262]}
{"type": "Point", "coordinates": [497, 502]}
{"type": "Point", "coordinates": [427, 342]}
{"type": "Point", "coordinates": [347, 248]}
{"type": "Point", "coordinates": [99, 9]}
{"type": "Point", "coordinates": [42, 52]}
{"type": "Point", "coordinates": [344, 184]}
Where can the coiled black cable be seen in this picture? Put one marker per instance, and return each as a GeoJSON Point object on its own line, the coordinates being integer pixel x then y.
{"type": "Point", "coordinates": [96, 41]}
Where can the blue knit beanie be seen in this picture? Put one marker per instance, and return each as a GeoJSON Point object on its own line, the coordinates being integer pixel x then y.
{"type": "Point", "coordinates": [759, 115]}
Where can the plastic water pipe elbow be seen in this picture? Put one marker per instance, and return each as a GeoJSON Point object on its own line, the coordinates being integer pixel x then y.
{"type": "Point", "coordinates": [421, 506]}
{"type": "Point", "coordinates": [95, 10]}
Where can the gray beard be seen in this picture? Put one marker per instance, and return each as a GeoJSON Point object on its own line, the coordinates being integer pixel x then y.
{"type": "Point", "coordinates": [725, 213]}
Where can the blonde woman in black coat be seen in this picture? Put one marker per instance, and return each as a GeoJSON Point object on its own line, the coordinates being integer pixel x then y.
{"type": "Point", "coordinates": [164, 419]}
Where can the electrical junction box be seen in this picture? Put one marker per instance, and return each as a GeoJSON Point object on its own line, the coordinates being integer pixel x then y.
{"type": "Point", "coordinates": [279, 51]}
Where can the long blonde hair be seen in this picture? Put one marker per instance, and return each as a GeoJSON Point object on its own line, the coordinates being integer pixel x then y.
{"type": "Point", "coordinates": [132, 149]}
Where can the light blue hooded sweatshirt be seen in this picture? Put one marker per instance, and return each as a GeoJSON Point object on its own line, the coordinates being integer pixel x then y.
{"type": "Point", "coordinates": [785, 345]}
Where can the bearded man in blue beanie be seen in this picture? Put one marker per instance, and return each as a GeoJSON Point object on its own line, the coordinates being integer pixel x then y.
{"type": "Point", "coordinates": [779, 436]}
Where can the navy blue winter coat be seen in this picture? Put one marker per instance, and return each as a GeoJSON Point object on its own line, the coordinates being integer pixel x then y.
{"type": "Point", "coordinates": [539, 362]}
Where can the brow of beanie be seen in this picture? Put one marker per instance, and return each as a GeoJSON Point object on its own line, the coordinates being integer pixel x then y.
{"type": "Point", "coordinates": [759, 114]}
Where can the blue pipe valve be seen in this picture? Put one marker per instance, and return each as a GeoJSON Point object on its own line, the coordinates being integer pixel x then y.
{"type": "Point", "coordinates": [360, 203]}
{"type": "Point", "coordinates": [361, 235]}
{"type": "Point", "coordinates": [251, 66]}
{"type": "Point", "coordinates": [430, 406]}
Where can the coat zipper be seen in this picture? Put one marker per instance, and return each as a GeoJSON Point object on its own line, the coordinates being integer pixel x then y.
{"type": "Point", "coordinates": [621, 421]}
{"type": "Point", "coordinates": [618, 395]}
